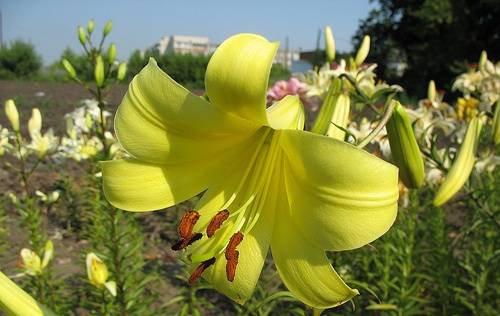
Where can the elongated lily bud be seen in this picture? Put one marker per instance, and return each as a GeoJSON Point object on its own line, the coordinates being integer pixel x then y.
{"type": "Point", "coordinates": [363, 51]}
{"type": "Point", "coordinates": [329, 44]}
{"type": "Point", "coordinates": [107, 28]}
{"type": "Point", "coordinates": [14, 301]}
{"type": "Point", "coordinates": [99, 71]}
{"type": "Point", "coordinates": [12, 114]}
{"type": "Point", "coordinates": [90, 26]}
{"type": "Point", "coordinates": [463, 164]}
{"type": "Point", "coordinates": [35, 122]}
{"type": "Point", "coordinates": [81, 35]}
{"type": "Point", "coordinates": [48, 253]}
{"type": "Point", "coordinates": [334, 112]}
{"type": "Point", "coordinates": [404, 148]}
{"type": "Point", "coordinates": [97, 272]}
{"type": "Point", "coordinates": [496, 124]}
{"type": "Point", "coordinates": [122, 71]}
{"type": "Point", "coordinates": [431, 91]}
{"type": "Point", "coordinates": [69, 68]}
{"type": "Point", "coordinates": [111, 53]}
{"type": "Point", "coordinates": [482, 60]}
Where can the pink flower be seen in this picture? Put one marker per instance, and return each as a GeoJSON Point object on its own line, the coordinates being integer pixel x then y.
{"type": "Point", "coordinates": [283, 88]}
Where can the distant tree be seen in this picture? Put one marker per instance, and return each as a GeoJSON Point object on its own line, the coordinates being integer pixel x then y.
{"type": "Point", "coordinates": [19, 60]}
{"type": "Point", "coordinates": [279, 72]}
{"type": "Point", "coordinates": [436, 39]}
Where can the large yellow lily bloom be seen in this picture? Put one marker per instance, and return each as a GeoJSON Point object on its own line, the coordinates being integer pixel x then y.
{"type": "Point", "coordinates": [267, 182]}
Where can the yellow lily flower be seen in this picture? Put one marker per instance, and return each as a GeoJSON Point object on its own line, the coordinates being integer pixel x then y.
{"type": "Point", "coordinates": [97, 273]}
{"type": "Point", "coordinates": [267, 183]}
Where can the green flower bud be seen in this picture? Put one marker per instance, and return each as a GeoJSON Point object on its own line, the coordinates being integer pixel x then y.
{"type": "Point", "coordinates": [404, 148]}
{"type": "Point", "coordinates": [81, 35]}
{"type": "Point", "coordinates": [482, 60]}
{"type": "Point", "coordinates": [12, 114]}
{"type": "Point", "coordinates": [122, 71]}
{"type": "Point", "coordinates": [363, 51]}
{"type": "Point", "coordinates": [69, 68]}
{"type": "Point", "coordinates": [463, 164]}
{"type": "Point", "coordinates": [431, 91]}
{"type": "Point", "coordinates": [99, 71]}
{"type": "Point", "coordinates": [90, 26]}
{"type": "Point", "coordinates": [107, 28]}
{"type": "Point", "coordinates": [329, 44]}
{"type": "Point", "coordinates": [35, 122]}
{"type": "Point", "coordinates": [111, 53]}
{"type": "Point", "coordinates": [496, 124]}
{"type": "Point", "coordinates": [334, 112]}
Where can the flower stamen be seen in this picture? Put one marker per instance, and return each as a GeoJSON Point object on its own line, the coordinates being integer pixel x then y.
{"type": "Point", "coordinates": [184, 242]}
{"type": "Point", "coordinates": [216, 222]}
{"type": "Point", "coordinates": [232, 255]}
{"type": "Point", "coordinates": [187, 223]}
{"type": "Point", "coordinates": [200, 269]}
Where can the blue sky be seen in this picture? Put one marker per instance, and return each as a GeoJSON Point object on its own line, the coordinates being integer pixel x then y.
{"type": "Point", "coordinates": [51, 24]}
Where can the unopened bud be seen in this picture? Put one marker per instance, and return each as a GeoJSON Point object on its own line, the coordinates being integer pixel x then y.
{"type": "Point", "coordinates": [482, 60]}
{"type": "Point", "coordinates": [69, 68]}
{"type": "Point", "coordinates": [31, 262]}
{"type": "Point", "coordinates": [363, 51]}
{"type": "Point", "coordinates": [329, 44]}
{"type": "Point", "coordinates": [48, 253]}
{"type": "Point", "coordinates": [334, 113]}
{"type": "Point", "coordinates": [90, 26]}
{"type": "Point", "coordinates": [81, 35]}
{"type": "Point", "coordinates": [463, 164]}
{"type": "Point", "coordinates": [35, 122]}
{"type": "Point", "coordinates": [12, 114]}
{"type": "Point", "coordinates": [431, 91]}
{"type": "Point", "coordinates": [107, 28]}
{"type": "Point", "coordinates": [111, 53]}
{"type": "Point", "coordinates": [404, 148]}
{"type": "Point", "coordinates": [99, 71]}
{"type": "Point", "coordinates": [122, 71]}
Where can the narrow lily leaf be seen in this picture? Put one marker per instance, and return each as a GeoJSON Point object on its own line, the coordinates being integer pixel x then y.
{"type": "Point", "coordinates": [16, 302]}
{"type": "Point", "coordinates": [404, 148]}
{"type": "Point", "coordinates": [238, 74]}
{"type": "Point", "coordinates": [496, 124]}
{"type": "Point", "coordinates": [463, 164]}
{"type": "Point", "coordinates": [331, 184]}
{"type": "Point", "coordinates": [323, 121]}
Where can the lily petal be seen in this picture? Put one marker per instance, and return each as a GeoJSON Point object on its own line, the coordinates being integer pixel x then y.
{"type": "Point", "coordinates": [133, 185]}
{"type": "Point", "coordinates": [341, 197]}
{"type": "Point", "coordinates": [238, 73]}
{"type": "Point", "coordinates": [288, 113]}
{"type": "Point", "coordinates": [305, 269]}
{"type": "Point", "coordinates": [161, 122]}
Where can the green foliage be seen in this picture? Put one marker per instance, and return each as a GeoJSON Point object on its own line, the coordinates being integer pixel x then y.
{"type": "Point", "coordinates": [436, 39]}
{"type": "Point", "coordinates": [19, 60]}
{"type": "Point", "coordinates": [279, 72]}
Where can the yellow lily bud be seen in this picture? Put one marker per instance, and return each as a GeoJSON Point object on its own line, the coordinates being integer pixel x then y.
{"type": "Point", "coordinates": [496, 124]}
{"type": "Point", "coordinates": [334, 112]}
{"type": "Point", "coordinates": [404, 148]}
{"type": "Point", "coordinates": [90, 26]}
{"type": "Point", "coordinates": [12, 114]}
{"type": "Point", "coordinates": [363, 50]}
{"type": "Point", "coordinates": [14, 301]}
{"type": "Point", "coordinates": [31, 262]}
{"type": "Point", "coordinates": [329, 44]}
{"type": "Point", "coordinates": [35, 122]}
{"type": "Point", "coordinates": [81, 35]}
{"type": "Point", "coordinates": [69, 68]}
{"type": "Point", "coordinates": [97, 272]}
{"type": "Point", "coordinates": [463, 164]}
{"type": "Point", "coordinates": [111, 53]}
{"type": "Point", "coordinates": [99, 71]}
{"type": "Point", "coordinates": [107, 28]}
{"type": "Point", "coordinates": [48, 253]}
{"type": "Point", "coordinates": [122, 71]}
{"type": "Point", "coordinates": [431, 91]}
{"type": "Point", "coordinates": [482, 60]}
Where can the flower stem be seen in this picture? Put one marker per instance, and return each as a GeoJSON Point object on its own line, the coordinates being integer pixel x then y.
{"type": "Point", "coordinates": [383, 121]}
